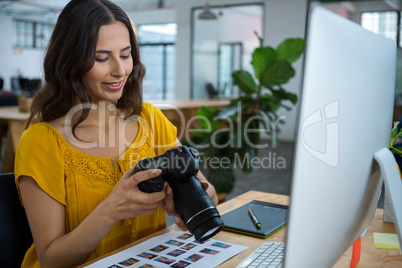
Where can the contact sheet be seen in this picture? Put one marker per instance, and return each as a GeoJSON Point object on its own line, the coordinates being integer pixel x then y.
{"type": "Point", "coordinates": [174, 249]}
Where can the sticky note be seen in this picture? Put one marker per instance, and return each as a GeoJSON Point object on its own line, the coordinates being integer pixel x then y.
{"type": "Point", "coordinates": [388, 241]}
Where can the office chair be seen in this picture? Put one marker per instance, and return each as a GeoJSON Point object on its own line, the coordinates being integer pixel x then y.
{"type": "Point", "coordinates": [8, 99]}
{"type": "Point", "coordinates": [15, 235]}
{"type": "Point", "coordinates": [210, 89]}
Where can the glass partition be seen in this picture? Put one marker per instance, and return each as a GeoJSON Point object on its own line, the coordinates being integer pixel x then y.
{"type": "Point", "coordinates": [221, 46]}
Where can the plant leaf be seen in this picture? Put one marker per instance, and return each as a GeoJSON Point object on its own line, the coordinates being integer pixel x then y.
{"type": "Point", "coordinates": [268, 103]}
{"type": "Point", "coordinates": [395, 129]}
{"type": "Point", "coordinates": [244, 100]}
{"type": "Point", "coordinates": [286, 107]}
{"type": "Point", "coordinates": [393, 132]}
{"type": "Point", "coordinates": [262, 58]}
{"type": "Point", "coordinates": [282, 94]}
{"type": "Point", "coordinates": [229, 111]}
{"type": "Point", "coordinates": [206, 118]}
{"type": "Point", "coordinates": [245, 81]}
{"type": "Point", "coordinates": [222, 179]}
{"type": "Point", "coordinates": [278, 73]}
{"type": "Point", "coordinates": [393, 141]}
{"type": "Point", "coordinates": [208, 112]}
{"type": "Point", "coordinates": [233, 108]}
{"type": "Point", "coordinates": [290, 50]}
{"type": "Point", "coordinates": [260, 40]}
{"type": "Point", "coordinates": [396, 151]}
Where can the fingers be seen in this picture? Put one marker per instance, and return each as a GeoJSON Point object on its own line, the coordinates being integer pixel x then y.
{"type": "Point", "coordinates": [146, 175]}
{"type": "Point", "coordinates": [167, 204]}
{"type": "Point", "coordinates": [204, 185]}
{"type": "Point", "coordinates": [130, 186]}
{"type": "Point", "coordinates": [137, 178]}
{"type": "Point", "coordinates": [126, 200]}
{"type": "Point", "coordinates": [149, 198]}
{"type": "Point", "coordinates": [141, 175]}
{"type": "Point", "coordinates": [180, 223]}
{"type": "Point", "coordinates": [128, 173]}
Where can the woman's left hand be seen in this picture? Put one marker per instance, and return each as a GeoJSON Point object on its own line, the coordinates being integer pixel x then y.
{"type": "Point", "coordinates": [167, 203]}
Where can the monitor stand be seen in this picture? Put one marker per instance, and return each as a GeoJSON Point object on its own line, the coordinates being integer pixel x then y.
{"type": "Point", "coordinates": [393, 186]}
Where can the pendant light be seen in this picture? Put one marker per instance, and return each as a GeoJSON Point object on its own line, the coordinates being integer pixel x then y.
{"type": "Point", "coordinates": [206, 14]}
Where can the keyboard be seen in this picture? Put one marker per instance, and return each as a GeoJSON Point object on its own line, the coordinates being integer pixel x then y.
{"type": "Point", "coordinates": [269, 254]}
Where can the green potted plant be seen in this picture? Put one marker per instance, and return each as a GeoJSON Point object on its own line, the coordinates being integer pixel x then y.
{"type": "Point", "coordinates": [216, 158]}
{"type": "Point", "coordinates": [229, 135]}
{"type": "Point", "coordinates": [396, 133]}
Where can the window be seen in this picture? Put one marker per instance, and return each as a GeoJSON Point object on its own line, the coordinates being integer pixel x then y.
{"type": "Point", "coordinates": [42, 34]}
{"type": "Point", "coordinates": [384, 23]}
{"type": "Point", "coordinates": [229, 60]}
{"type": "Point", "coordinates": [28, 34]}
{"type": "Point", "coordinates": [23, 34]}
{"type": "Point", "coordinates": [158, 53]}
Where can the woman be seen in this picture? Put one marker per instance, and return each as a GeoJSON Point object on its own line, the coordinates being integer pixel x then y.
{"type": "Point", "coordinates": [74, 167]}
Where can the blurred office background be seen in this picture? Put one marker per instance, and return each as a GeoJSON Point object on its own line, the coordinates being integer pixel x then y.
{"type": "Point", "coordinates": [190, 48]}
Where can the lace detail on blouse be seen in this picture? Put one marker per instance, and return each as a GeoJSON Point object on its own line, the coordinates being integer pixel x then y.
{"type": "Point", "coordinates": [106, 169]}
{"type": "Point", "coordinates": [90, 166]}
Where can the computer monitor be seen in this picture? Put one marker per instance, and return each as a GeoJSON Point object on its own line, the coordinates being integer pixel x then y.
{"type": "Point", "coordinates": [345, 117]}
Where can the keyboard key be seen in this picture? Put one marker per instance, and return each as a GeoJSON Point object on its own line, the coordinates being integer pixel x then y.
{"type": "Point", "coordinates": [269, 254]}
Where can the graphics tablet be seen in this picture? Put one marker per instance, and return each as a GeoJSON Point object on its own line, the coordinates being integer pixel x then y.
{"type": "Point", "coordinates": [272, 217]}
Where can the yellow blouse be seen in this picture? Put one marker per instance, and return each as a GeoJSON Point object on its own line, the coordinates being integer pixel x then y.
{"type": "Point", "coordinates": [81, 181]}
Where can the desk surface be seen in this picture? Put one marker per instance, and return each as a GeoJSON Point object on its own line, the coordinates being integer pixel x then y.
{"type": "Point", "coordinates": [12, 112]}
{"type": "Point", "coordinates": [370, 257]}
{"type": "Point", "coordinates": [187, 104]}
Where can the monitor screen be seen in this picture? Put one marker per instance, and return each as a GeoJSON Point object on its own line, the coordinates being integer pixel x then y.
{"type": "Point", "coordinates": [345, 116]}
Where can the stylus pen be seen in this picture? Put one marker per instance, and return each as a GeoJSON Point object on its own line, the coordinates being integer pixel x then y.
{"type": "Point", "coordinates": [254, 218]}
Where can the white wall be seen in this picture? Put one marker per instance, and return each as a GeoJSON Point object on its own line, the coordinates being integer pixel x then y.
{"type": "Point", "coordinates": [165, 15]}
{"type": "Point", "coordinates": [27, 62]}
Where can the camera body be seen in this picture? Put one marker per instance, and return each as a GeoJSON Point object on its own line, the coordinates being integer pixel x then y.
{"type": "Point", "coordinates": [176, 164]}
{"type": "Point", "coordinates": [180, 166]}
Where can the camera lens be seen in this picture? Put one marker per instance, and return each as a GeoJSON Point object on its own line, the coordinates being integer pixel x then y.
{"type": "Point", "coordinates": [204, 229]}
{"type": "Point", "coordinates": [195, 207]}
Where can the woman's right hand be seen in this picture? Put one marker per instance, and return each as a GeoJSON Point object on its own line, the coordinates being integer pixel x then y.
{"type": "Point", "coordinates": [126, 200]}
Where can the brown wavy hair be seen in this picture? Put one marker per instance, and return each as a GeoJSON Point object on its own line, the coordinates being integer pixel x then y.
{"type": "Point", "coordinates": [71, 53]}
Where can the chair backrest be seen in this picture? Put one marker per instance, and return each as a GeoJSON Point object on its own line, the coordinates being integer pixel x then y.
{"type": "Point", "coordinates": [15, 235]}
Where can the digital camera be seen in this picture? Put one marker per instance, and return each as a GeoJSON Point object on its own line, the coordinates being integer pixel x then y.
{"type": "Point", "coordinates": [179, 167]}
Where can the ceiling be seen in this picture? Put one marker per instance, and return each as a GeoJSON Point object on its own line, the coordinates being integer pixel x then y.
{"type": "Point", "coordinates": [49, 9]}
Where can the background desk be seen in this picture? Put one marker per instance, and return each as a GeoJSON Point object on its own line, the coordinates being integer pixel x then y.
{"type": "Point", "coordinates": [15, 122]}
{"type": "Point", "coordinates": [179, 112]}
{"type": "Point", "coordinates": [370, 257]}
